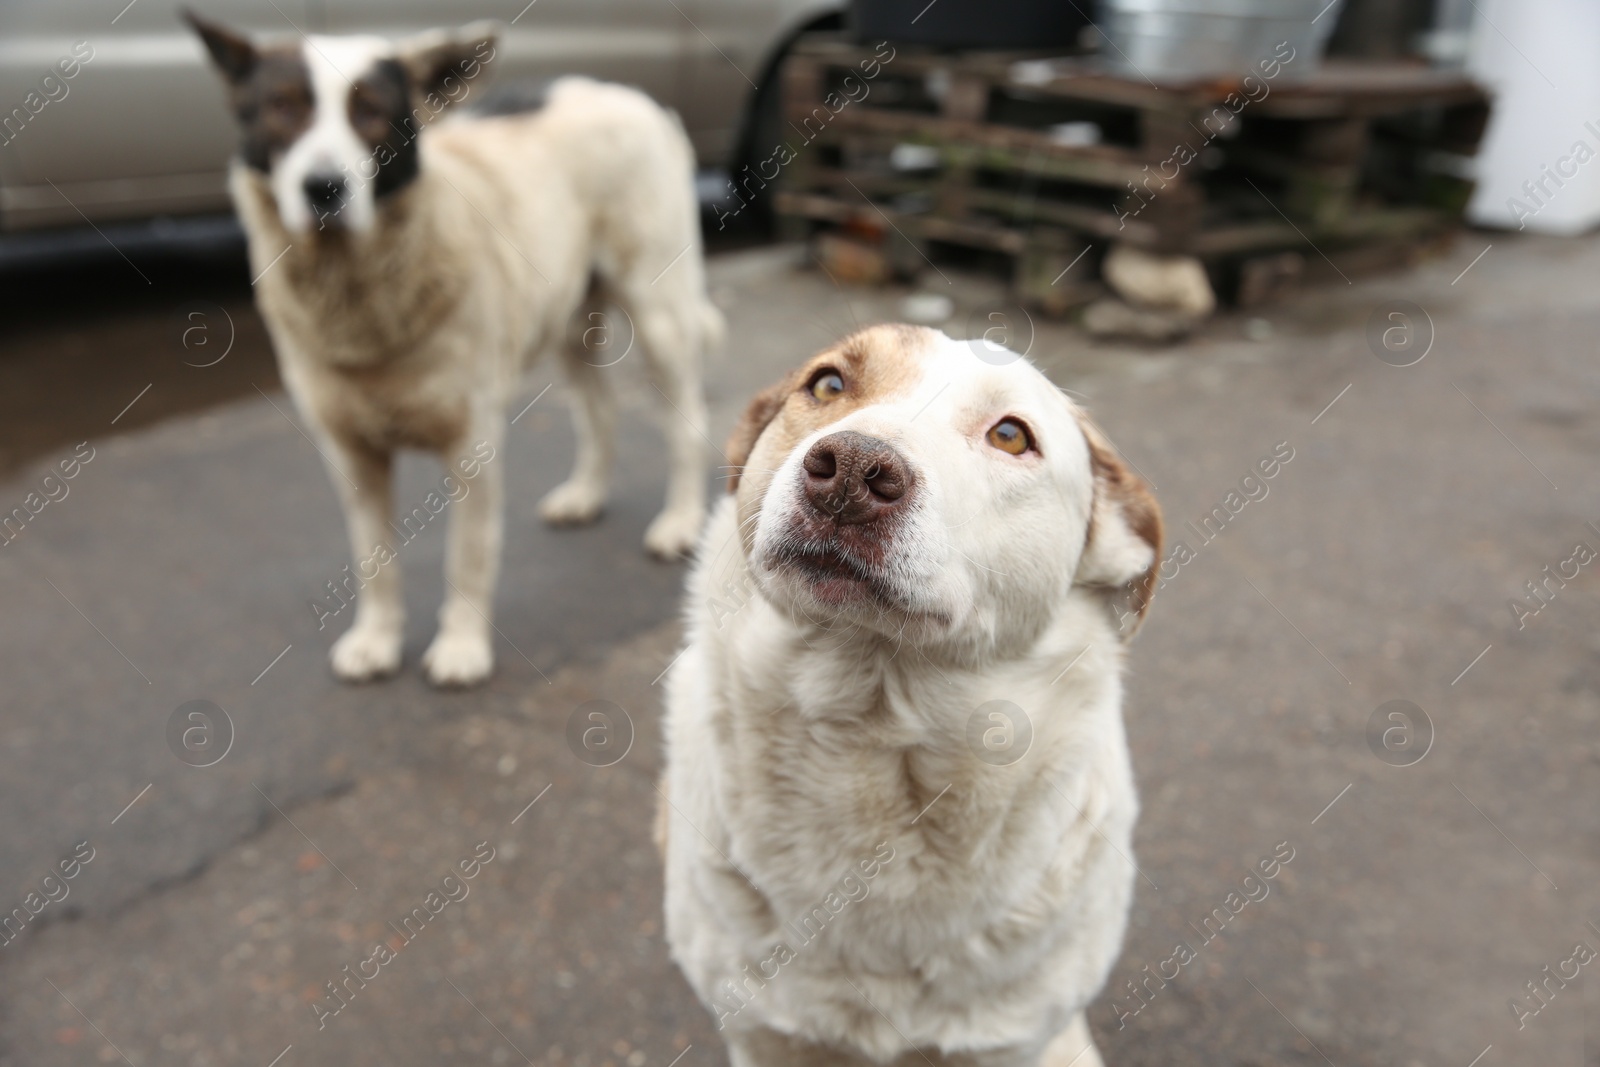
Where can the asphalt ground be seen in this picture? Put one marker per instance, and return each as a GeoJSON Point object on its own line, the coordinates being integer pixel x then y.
{"type": "Point", "coordinates": [1422, 896]}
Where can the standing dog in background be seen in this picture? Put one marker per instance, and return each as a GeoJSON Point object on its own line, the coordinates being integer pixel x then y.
{"type": "Point", "coordinates": [898, 805]}
{"type": "Point", "coordinates": [407, 277]}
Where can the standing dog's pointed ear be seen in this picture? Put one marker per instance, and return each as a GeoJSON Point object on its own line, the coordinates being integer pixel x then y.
{"type": "Point", "coordinates": [432, 59]}
{"type": "Point", "coordinates": [234, 54]}
{"type": "Point", "coordinates": [1123, 549]}
{"type": "Point", "coordinates": [763, 408]}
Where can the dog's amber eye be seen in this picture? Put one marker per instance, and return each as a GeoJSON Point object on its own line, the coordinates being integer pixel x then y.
{"type": "Point", "coordinates": [1009, 435]}
{"type": "Point", "coordinates": [826, 384]}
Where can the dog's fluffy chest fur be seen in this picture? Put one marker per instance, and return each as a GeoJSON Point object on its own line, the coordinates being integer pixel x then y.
{"type": "Point", "coordinates": [799, 762]}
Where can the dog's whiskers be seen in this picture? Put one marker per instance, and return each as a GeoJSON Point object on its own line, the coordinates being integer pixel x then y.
{"type": "Point", "coordinates": [980, 566]}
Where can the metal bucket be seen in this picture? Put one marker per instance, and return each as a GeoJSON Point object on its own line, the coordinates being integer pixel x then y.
{"type": "Point", "coordinates": [964, 24]}
{"type": "Point", "coordinates": [1175, 39]}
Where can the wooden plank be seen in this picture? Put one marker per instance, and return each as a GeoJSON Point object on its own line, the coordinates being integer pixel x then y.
{"type": "Point", "coordinates": [1360, 226]}
{"type": "Point", "coordinates": [967, 98]}
{"type": "Point", "coordinates": [1096, 222]}
{"type": "Point", "coordinates": [1101, 224]}
{"type": "Point", "coordinates": [931, 227]}
{"type": "Point", "coordinates": [1334, 88]}
{"type": "Point", "coordinates": [999, 146]}
{"type": "Point", "coordinates": [802, 85]}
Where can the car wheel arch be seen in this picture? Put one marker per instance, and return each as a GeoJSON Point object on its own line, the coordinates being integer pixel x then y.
{"type": "Point", "coordinates": [811, 18]}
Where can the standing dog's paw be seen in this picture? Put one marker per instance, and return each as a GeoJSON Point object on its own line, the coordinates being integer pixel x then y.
{"type": "Point", "coordinates": [366, 652]}
{"type": "Point", "coordinates": [672, 534]}
{"type": "Point", "coordinates": [458, 659]}
{"type": "Point", "coordinates": [572, 503]}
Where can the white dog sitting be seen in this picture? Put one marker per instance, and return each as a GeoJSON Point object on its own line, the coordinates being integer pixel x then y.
{"type": "Point", "coordinates": [898, 799]}
{"type": "Point", "coordinates": [409, 272]}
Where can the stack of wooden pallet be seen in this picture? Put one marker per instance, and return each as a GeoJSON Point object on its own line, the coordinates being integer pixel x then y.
{"type": "Point", "coordinates": [1046, 161]}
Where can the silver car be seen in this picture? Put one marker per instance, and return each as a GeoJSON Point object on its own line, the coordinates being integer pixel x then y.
{"type": "Point", "coordinates": [109, 111]}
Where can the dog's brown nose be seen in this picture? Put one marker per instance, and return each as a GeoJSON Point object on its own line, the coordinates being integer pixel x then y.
{"type": "Point", "coordinates": [853, 478]}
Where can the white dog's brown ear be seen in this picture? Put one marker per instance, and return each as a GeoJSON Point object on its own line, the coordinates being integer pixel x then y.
{"type": "Point", "coordinates": [1123, 549]}
{"type": "Point", "coordinates": [764, 407]}
{"type": "Point", "coordinates": [444, 63]}
{"type": "Point", "coordinates": [234, 54]}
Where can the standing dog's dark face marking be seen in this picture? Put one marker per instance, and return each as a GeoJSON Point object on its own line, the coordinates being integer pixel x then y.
{"type": "Point", "coordinates": [269, 90]}
{"type": "Point", "coordinates": [380, 113]}
{"type": "Point", "coordinates": [333, 121]}
{"type": "Point", "coordinates": [274, 107]}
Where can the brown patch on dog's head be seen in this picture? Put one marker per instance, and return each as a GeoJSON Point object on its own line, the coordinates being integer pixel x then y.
{"type": "Point", "coordinates": [269, 89]}
{"type": "Point", "coordinates": [874, 364]}
{"type": "Point", "coordinates": [1123, 548]}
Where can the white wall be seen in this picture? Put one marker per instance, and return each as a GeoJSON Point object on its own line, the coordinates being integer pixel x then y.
{"type": "Point", "coordinates": [1541, 58]}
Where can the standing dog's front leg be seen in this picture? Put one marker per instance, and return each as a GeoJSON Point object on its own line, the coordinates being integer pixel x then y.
{"type": "Point", "coordinates": [371, 647]}
{"type": "Point", "coordinates": [463, 653]}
